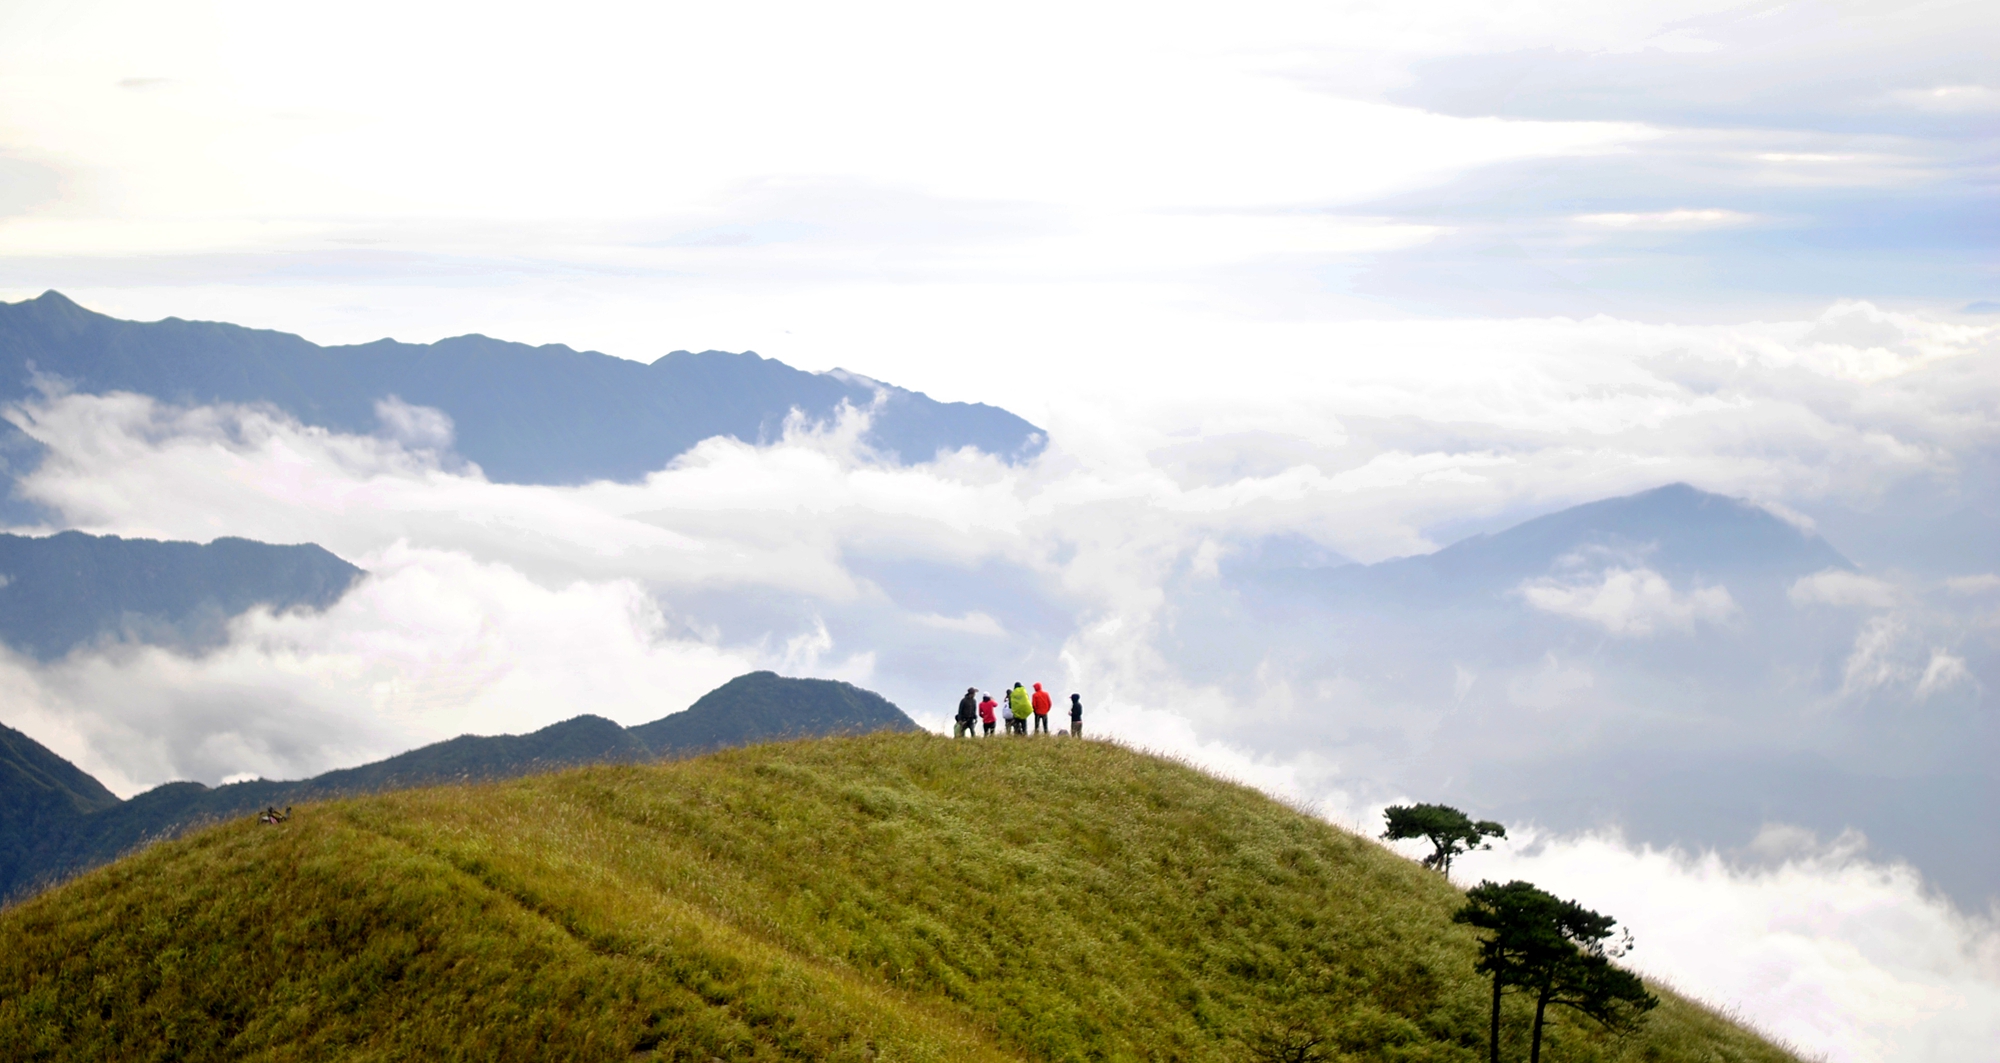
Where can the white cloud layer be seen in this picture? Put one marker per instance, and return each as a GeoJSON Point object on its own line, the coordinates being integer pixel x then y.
{"type": "Point", "coordinates": [1839, 587]}
{"type": "Point", "coordinates": [431, 644]}
{"type": "Point", "coordinates": [504, 607]}
{"type": "Point", "coordinates": [1849, 958]}
{"type": "Point", "coordinates": [1632, 602]}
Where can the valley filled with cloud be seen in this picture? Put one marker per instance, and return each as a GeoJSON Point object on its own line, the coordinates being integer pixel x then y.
{"type": "Point", "coordinates": [1191, 587]}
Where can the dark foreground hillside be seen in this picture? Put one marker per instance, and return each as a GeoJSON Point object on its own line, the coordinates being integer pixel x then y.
{"type": "Point", "coordinates": [891, 897]}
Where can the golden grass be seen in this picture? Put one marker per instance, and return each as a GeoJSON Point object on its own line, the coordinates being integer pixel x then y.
{"type": "Point", "coordinates": [891, 897]}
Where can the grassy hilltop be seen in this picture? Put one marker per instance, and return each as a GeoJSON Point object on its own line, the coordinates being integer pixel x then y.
{"type": "Point", "coordinates": [890, 897]}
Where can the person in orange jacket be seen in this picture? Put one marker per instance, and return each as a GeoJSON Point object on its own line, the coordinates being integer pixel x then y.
{"type": "Point", "coordinates": [1042, 705]}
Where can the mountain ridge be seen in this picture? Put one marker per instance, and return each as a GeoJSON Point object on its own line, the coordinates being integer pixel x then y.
{"type": "Point", "coordinates": [545, 414]}
{"type": "Point", "coordinates": [1681, 531]}
{"type": "Point", "coordinates": [57, 821]}
{"type": "Point", "coordinates": [69, 589]}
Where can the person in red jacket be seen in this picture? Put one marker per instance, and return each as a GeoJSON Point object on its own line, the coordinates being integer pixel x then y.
{"type": "Point", "coordinates": [987, 707]}
{"type": "Point", "coordinates": [1042, 705]}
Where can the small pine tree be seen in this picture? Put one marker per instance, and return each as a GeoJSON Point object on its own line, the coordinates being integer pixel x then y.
{"type": "Point", "coordinates": [1556, 949]}
{"type": "Point", "coordinates": [1449, 831]}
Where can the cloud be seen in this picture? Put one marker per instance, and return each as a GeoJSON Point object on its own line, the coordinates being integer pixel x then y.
{"type": "Point", "coordinates": [431, 644]}
{"type": "Point", "coordinates": [1840, 587]}
{"type": "Point", "coordinates": [1844, 956]}
{"type": "Point", "coordinates": [1668, 220]}
{"type": "Point", "coordinates": [1950, 99]}
{"type": "Point", "coordinates": [1789, 515]}
{"type": "Point", "coordinates": [1876, 659]}
{"type": "Point", "coordinates": [972, 623]}
{"type": "Point", "coordinates": [1984, 583]}
{"type": "Point", "coordinates": [1943, 672]}
{"type": "Point", "coordinates": [416, 427]}
{"type": "Point", "coordinates": [1631, 602]}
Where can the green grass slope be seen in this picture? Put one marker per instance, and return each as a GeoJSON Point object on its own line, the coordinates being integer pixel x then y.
{"type": "Point", "coordinates": [889, 897]}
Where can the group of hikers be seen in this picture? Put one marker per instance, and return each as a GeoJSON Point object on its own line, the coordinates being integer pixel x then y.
{"type": "Point", "coordinates": [1016, 707]}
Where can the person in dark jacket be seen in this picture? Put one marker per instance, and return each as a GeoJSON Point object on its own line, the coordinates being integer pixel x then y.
{"type": "Point", "coordinates": [968, 710]}
{"type": "Point", "coordinates": [987, 709]}
{"type": "Point", "coordinates": [1076, 715]}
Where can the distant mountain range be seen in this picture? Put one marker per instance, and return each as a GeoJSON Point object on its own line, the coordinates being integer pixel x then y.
{"type": "Point", "coordinates": [534, 415]}
{"type": "Point", "coordinates": [55, 820]}
{"type": "Point", "coordinates": [70, 589]}
{"type": "Point", "coordinates": [1667, 662]}
{"type": "Point", "coordinates": [1680, 531]}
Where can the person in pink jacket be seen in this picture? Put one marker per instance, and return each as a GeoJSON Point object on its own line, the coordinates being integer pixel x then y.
{"type": "Point", "coordinates": [987, 708]}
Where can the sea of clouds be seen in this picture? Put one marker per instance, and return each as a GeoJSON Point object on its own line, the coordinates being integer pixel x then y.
{"type": "Point", "coordinates": [1348, 281]}
{"type": "Point", "coordinates": [492, 608]}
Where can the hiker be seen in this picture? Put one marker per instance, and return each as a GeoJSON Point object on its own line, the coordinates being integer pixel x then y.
{"type": "Point", "coordinates": [1017, 708]}
{"type": "Point", "coordinates": [986, 707]}
{"type": "Point", "coordinates": [1043, 703]}
{"type": "Point", "coordinates": [1076, 715]}
{"type": "Point", "coordinates": [968, 707]}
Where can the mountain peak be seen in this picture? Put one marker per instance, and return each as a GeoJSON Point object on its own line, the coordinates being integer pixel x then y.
{"type": "Point", "coordinates": [760, 706]}
{"type": "Point", "coordinates": [53, 315]}
{"type": "Point", "coordinates": [1677, 522]}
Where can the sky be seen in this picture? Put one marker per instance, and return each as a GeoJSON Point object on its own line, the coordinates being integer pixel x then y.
{"type": "Point", "coordinates": [1373, 277]}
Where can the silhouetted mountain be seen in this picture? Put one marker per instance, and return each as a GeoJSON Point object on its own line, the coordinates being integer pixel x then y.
{"type": "Point", "coordinates": [57, 821]}
{"type": "Point", "coordinates": [525, 414]}
{"type": "Point", "coordinates": [69, 589]}
{"type": "Point", "coordinates": [763, 706]}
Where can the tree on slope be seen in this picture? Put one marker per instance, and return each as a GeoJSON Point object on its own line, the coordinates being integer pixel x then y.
{"type": "Point", "coordinates": [1449, 831]}
{"type": "Point", "coordinates": [1556, 949]}
{"type": "Point", "coordinates": [1290, 1040]}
